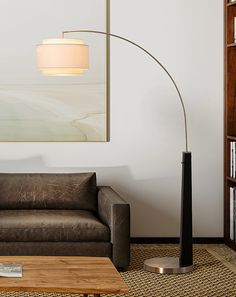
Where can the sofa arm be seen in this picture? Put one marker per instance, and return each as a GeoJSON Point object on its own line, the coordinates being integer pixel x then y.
{"type": "Point", "coordinates": [115, 212]}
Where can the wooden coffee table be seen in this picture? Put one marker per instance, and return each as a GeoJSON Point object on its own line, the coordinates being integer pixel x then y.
{"type": "Point", "coordinates": [82, 275]}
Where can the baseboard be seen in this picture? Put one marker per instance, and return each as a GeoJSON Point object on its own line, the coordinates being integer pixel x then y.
{"type": "Point", "coordinates": [166, 240]}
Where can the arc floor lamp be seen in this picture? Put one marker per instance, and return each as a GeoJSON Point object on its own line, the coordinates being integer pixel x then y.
{"type": "Point", "coordinates": [70, 57]}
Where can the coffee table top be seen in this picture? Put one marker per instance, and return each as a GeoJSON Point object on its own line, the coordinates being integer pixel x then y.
{"type": "Point", "coordinates": [91, 275]}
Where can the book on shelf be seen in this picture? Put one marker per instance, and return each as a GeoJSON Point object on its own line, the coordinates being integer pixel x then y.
{"type": "Point", "coordinates": [234, 28]}
{"type": "Point", "coordinates": [232, 204]}
{"type": "Point", "coordinates": [233, 159]}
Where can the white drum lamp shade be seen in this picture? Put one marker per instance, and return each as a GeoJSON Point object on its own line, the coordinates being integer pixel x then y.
{"type": "Point", "coordinates": [62, 57]}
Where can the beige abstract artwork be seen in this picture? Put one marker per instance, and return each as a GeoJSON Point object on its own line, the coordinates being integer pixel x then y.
{"type": "Point", "coordinates": [51, 109]}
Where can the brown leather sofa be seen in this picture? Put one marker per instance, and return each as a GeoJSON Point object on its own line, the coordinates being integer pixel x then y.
{"type": "Point", "coordinates": [62, 214]}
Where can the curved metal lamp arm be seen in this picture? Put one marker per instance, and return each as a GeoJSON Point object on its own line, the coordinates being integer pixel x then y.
{"type": "Point", "coordinates": [154, 58]}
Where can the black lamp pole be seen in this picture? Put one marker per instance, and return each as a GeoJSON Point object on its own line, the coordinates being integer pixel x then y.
{"type": "Point", "coordinates": [186, 247]}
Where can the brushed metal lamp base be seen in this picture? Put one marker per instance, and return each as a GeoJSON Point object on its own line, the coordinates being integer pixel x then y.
{"type": "Point", "coordinates": [166, 265]}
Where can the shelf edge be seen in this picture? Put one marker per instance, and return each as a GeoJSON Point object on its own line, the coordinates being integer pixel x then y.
{"type": "Point", "coordinates": [231, 179]}
{"type": "Point", "coordinates": [231, 4]}
{"type": "Point", "coordinates": [229, 45]}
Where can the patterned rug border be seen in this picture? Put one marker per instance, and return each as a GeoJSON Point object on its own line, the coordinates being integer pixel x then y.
{"type": "Point", "coordinates": [221, 259]}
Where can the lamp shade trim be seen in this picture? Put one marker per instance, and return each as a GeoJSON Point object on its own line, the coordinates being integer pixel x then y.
{"type": "Point", "coordinates": [63, 41]}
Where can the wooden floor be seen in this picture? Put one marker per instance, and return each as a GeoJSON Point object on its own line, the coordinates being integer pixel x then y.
{"type": "Point", "coordinates": [82, 275]}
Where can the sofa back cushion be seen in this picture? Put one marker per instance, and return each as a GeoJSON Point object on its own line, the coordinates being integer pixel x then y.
{"type": "Point", "coordinates": [48, 191]}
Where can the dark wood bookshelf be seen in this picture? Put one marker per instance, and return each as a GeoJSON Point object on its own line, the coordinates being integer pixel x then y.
{"type": "Point", "coordinates": [230, 112]}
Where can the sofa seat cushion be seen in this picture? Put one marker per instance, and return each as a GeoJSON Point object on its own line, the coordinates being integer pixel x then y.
{"type": "Point", "coordinates": [51, 226]}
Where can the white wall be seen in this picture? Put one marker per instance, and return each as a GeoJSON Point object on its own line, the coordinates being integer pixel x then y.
{"type": "Point", "coordinates": [143, 159]}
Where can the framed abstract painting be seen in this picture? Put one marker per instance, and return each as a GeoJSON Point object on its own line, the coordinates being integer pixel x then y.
{"type": "Point", "coordinates": [39, 108]}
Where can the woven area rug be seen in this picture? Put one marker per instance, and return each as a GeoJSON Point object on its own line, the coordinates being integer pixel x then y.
{"type": "Point", "coordinates": [213, 276]}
